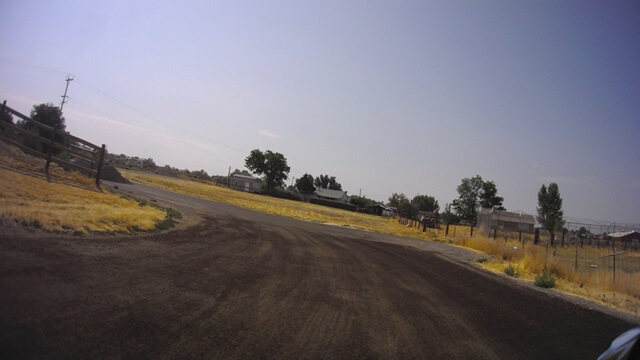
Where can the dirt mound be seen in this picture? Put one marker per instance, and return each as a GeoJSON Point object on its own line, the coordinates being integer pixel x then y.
{"type": "Point", "coordinates": [13, 155]}
{"type": "Point", "coordinates": [110, 173]}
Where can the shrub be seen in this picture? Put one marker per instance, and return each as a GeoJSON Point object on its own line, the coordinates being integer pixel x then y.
{"type": "Point", "coordinates": [511, 271]}
{"type": "Point", "coordinates": [333, 204]}
{"type": "Point", "coordinates": [281, 194]}
{"type": "Point", "coordinates": [546, 279]}
{"type": "Point", "coordinates": [173, 214]}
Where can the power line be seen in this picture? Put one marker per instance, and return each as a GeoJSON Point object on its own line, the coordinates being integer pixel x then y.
{"type": "Point", "coordinates": [123, 104]}
{"type": "Point", "coordinates": [28, 64]}
{"type": "Point", "coordinates": [65, 97]}
{"type": "Point", "coordinates": [119, 102]}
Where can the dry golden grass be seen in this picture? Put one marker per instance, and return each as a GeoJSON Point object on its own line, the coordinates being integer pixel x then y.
{"type": "Point", "coordinates": [60, 207]}
{"type": "Point", "coordinates": [590, 283]}
{"type": "Point", "coordinates": [13, 158]}
{"type": "Point", "coordinates": [596, 287]}
{"type": "Point", "coordinates": [530, 260]}
{"type": "Point", "coordinates": [293, 209]}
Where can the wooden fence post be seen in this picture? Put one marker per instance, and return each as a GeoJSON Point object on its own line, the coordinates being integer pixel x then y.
{"type": "Point", "coordinates": [50, 152]}
{"type": "Point", "coordinates": [446, 232]}
{"type": "Point", "coordinates": [613, 247]}
{"type": "Point", "coordinates": [99, 169]}
{"type": "Point", "coordinates": [576, 263]}
{"type": "Point", "coordinates": [495, 233]}
{"type": "Point", "coordinates": [4, 106]}
{"type": "Point", "coordinates": [471, 233]}
{"type": "Point", "coordinates": [520, 236]}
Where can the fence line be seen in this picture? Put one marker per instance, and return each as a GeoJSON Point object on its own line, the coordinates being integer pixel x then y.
{"type": "Point", "coordinates": [84, 150]}
{"type": "Point", "coordinates": [596, 257]}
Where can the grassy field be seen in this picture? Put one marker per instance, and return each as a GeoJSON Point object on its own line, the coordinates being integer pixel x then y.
{"type": "Point", "coordinates": [594, 283]}
{"type": "Point", "coordinates": [61, 207]}
{"type": "Point", "coordinates": [294, 209]}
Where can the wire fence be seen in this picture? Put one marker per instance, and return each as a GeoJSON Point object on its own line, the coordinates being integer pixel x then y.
{"type": "Point", "coordinates": [592, 256]}
{"type": "Point", "coordinates": [42, 141]}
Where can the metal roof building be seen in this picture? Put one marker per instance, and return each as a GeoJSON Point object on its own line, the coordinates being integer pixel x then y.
{"type": "Point", "coordinates": [489, 219]}
{"type": "Point", "coordinates": [245, 183]}
{"type": "Point", "coordinates": [625, 235]}
{"type": "Point", "coordinates": [335, 195]}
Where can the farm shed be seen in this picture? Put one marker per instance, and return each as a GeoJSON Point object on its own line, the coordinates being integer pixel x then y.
{"type": "Point", "coordinates": [245, 183]}
{"type": "Point", "coordinates": [489, 219]}
{"type": "Point", "coordinates": [335, 195]}
{"type": "Point", "coordinates": [380, 210]}
{"type": "Point", "coordinates": [625, 236]}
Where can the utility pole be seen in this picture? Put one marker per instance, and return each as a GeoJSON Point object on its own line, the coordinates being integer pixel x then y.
{"type": "Point", "coordinates": [64, 97]}
{"type": "Point", "coordinates": [360, 193]}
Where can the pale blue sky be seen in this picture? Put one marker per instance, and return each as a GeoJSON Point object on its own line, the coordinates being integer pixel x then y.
{"type": "Point", "coordinates": [389, 96]}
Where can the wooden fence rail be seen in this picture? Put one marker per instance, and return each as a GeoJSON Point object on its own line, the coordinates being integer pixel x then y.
{"type": "Point", "coordinates": [78, 148]}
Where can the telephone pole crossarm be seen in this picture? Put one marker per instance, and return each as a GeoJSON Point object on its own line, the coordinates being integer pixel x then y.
{"type": "Point", "coordinates": [65, 97]}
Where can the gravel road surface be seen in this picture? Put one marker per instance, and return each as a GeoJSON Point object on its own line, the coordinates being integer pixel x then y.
{"type": "Point", "coordinates": [235, 284]}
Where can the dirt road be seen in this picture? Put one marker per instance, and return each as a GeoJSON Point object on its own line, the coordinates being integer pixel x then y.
{"type": "Point", "coordinates": [246, 285]}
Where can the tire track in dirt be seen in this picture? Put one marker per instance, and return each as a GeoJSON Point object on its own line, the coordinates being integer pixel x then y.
{"type": "Point", "coordinates": [239, 286]}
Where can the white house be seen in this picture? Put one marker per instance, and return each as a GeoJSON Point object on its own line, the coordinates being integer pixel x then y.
{"type": "Point", "coordinates": [335, 195]}
{"type": "Point", "coordinates": [245, 183]}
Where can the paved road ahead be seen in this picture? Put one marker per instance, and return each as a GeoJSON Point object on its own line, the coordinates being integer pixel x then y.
{"type": "Point", "coordinates": [247, 285]}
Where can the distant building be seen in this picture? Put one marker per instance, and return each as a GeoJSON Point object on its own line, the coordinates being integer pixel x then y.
{"type": "Point", "coordinates": [489, 219]}
{"type": "Point", "coordinates": [624, 236]}
{"type": "Point", "coordinates": [335, 195]}
{"type": "Point", "coordinates": [245, 183]}
{"type": "Point", "coordinates": [380, 210]}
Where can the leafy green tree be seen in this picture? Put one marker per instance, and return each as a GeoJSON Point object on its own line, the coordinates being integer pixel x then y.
{"type": "Point", "coordinates": [448, 216]}
{"type": "Point", "coordinates": [50, 115]}
{"type": "Point", "coordinates": [150, 164]}
{"type": "Point", "coordinates": [361, 201]}
{"type": "Point", "coordinates": [327, 182]}
{"type": "Point", "coordinates": [305, 184]}
{"type": "Point", "coordinates": [549, 211]}
{"type": "Point", "coordinates": [292, 189]}
{"type": "Point", "coordinates": [466, 205]}
{"type": "Point", "coordinates": [241, 172]}
{"type": "Point", "coordinates": [583, 232]}
{"type": "Point", "coordinates": [408, 210]}
{"type": "Point", "coordinates": [489, 196]}
{"type": "Point", "coordinates": [474, 193]}
{"type": "Point", "coordinates": [272, 165]}
{"type": "Point", "coordinates": [404, 206]}
{"type": "Point", "coordinates": [200, 174]}
{"type": "Point", "coordinates": [395, 199]}
{"type": "Point", "coordinates": [426, 203]}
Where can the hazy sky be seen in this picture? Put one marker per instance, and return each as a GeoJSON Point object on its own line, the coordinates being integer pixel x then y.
{"type": "Point", "coordinates": [391, 96]}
